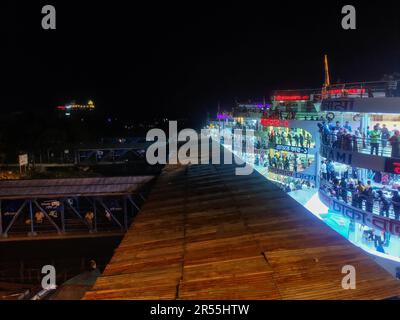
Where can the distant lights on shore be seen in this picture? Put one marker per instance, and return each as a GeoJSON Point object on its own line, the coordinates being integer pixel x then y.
{"type": "Point", "coordinates": [73, 106]}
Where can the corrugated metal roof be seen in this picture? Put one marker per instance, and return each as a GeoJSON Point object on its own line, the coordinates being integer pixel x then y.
{"type": "Point", "coordinates": [205, 233]}
{"type": "Point", "coordinates": [21, 189]}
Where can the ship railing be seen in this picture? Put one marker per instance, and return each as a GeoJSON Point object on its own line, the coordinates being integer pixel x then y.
{"type": "Point", "coordinates": [242, 110]}
{"type": "Point", "coordinates": [365, 89]}
{"type": "Point", "coordinates": [295, 115]}
{"type": "Point", "coordinates": [349, 197]}
{"type": "Point", "coordinates": [366, 145]}
{"type": "Point", "coordinates": [268, 144]}
{"type": "Point", "coordinates": [374, 89]}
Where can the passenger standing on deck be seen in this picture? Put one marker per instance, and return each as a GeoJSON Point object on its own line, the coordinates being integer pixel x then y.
{"type": "Point", "coordinates": [334, 139]}
{"type": "Point", "coordinates": [354, 196]}
{"type": "Point", "coordinates": [347, 141]}
{"type": "Point", "coordinates": [286, 164]}
{"type": "Point", "coordinates": [375, 136]}
{"type": "Point", "coordinates": [39, 216]}
{"type": "Point", "coordinates": [343, 189]}
{"type": "Point", "coordinates": [347, 126]}
{"type": "Point", "coordinates": [301, 139]}
{"type": "Point", "coordinates": [308, 141]}
{"type": "Point", "coordinates": [395, 143]}
{"type": "Point", "coordinates": [360, 193]}
{"type": "Point", "coordinates": [289, 138]}
{"type": "Point", "coordinates": [283, 139]}
{"type": "Point", "coordinates": [295, 163]}
{"type": "Point", "coordinates": [384, 204]}
{"type": "Point", "coordinates": [385, 137]}
{"type": "Point", "coordinates": [396, 204]}
{"type": "Point", "coordinates": [296, 140]}
{"type": "Point", "coordinates": [369, 197]}
{"type": "Point", "coordinates": [89, 216]}
{"type": "Point", "coordinates": [367, 136]}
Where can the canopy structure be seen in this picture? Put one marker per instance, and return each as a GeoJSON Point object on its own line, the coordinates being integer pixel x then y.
{"type": "Point", "coordinates": [105, 186]}
{"type": "Point", "coordinates": [73, 206]}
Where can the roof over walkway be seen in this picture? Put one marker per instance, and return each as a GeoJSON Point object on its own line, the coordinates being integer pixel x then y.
{"type": "Point", "coordinates": [106, 186]}
{"type": "Point", "coordinates": [205, 233]}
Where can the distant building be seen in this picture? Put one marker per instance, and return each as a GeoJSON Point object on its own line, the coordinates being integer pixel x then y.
{"type": "Point", "coordinates": [73, 107]}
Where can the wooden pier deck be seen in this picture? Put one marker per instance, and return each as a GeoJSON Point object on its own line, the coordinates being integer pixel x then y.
{"type": "Point", "coordinates": [205, 233]}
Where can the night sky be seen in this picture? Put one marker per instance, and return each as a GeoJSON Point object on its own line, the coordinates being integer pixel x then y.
{"type": "Point", "coordinates": [179, 60]}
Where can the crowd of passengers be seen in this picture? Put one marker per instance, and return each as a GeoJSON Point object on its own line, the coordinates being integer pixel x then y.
{"type": "Point", "coordinates": [296, 184]}
{"type": "Point", "coordinates": [358, 194]}
{"type": "Point", "coordinates": [289, 162]}
{"type": "Point", "coordinates": [301, 139]}
{"type": "Point", "coordinates": [340, 136]}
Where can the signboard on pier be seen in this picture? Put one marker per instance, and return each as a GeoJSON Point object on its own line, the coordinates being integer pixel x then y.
{"type": "Point", "coordinates": [23, 159]}
{"type": "Point", "coordinates": [23, 162]}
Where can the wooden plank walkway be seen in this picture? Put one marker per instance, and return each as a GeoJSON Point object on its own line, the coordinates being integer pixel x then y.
{"type": "Point", "coordinates": [205, 233]}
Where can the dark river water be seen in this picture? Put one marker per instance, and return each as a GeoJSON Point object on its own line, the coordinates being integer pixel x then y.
{"type": "Point", "coordinates": [22, 261]}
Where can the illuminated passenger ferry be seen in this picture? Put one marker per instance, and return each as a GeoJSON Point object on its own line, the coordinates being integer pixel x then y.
{"type": "Point", "coordinates": [337, 151]}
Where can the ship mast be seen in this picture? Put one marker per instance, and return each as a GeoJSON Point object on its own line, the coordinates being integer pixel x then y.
{"type": "Point", "coordinates": [327, 82]}
{"type": "Point", "coordinates": [326, 66]}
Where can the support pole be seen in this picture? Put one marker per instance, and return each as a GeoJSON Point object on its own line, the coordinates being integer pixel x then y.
{"type": "Point", "coordinates": [14, 218]}
{"type": "Point", "coordinates": [142, 197]}
{"type": "Point", "coordinates": [32, 233]}
{"type": "Point", "coordinates": [133, 203]}
{"type": "Point", "coordinates": [62, 216]}
{"type": "Point", "coordinates": [125, 213]}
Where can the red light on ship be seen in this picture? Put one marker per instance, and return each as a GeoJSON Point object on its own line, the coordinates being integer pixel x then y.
{"type": "Point", "coordinates": [396, 167]}
{"type": "Point", "coordinates": [274, 123]}
{"type": "Point", "coordinates": [348, 91]}
{"type": "Point", "coordinates": [291, 98]}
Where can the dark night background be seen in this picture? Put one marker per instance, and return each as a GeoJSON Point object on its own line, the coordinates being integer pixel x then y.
{"type": "Point", "coordinates": [177, 60]}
